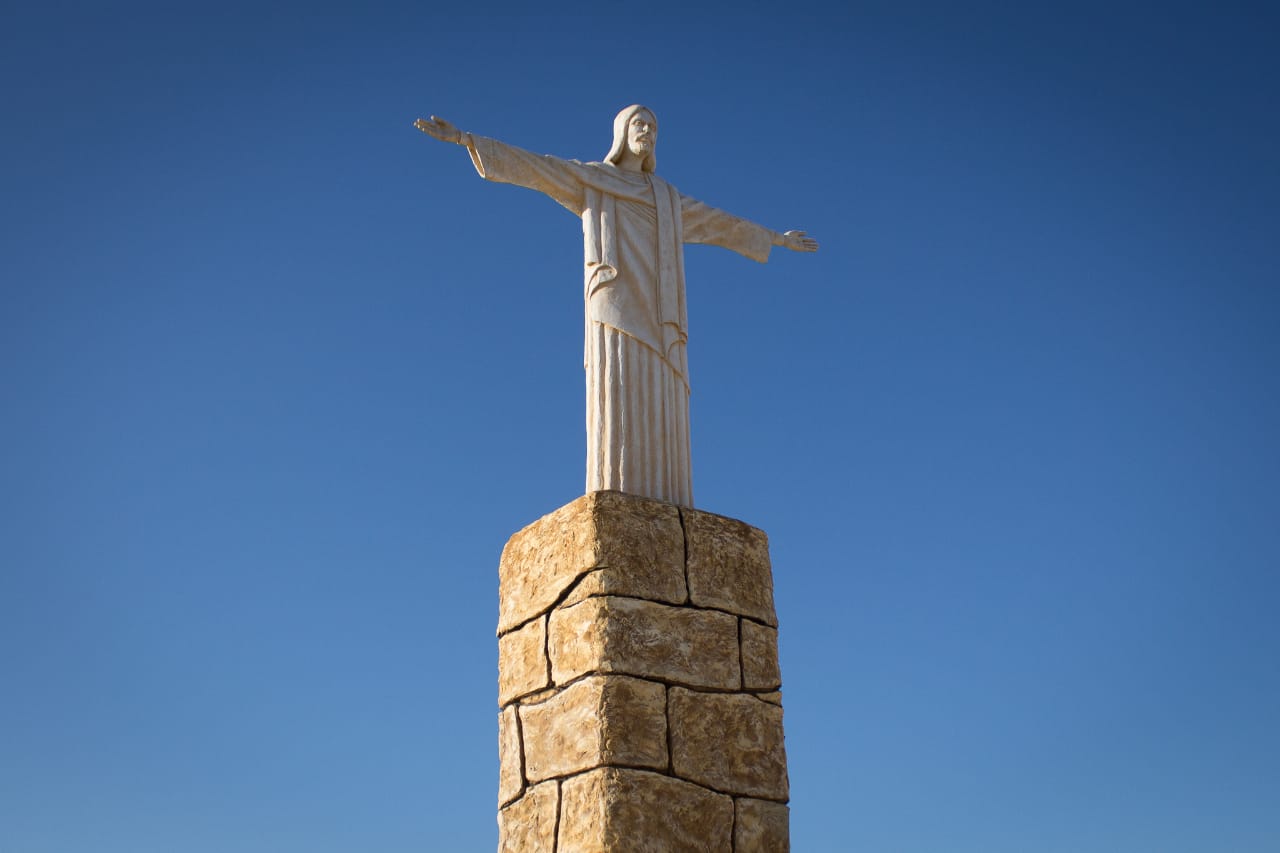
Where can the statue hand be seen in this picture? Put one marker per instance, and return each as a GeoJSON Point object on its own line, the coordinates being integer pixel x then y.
{"type": "Point", "coordinates": [440, 129]}
{"type": "Point", "coordinates": [797, 241]}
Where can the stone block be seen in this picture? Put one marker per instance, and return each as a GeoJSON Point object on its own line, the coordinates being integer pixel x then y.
{"type": "Point", "coordinates": [605, 582]}
{"type": "Point", "coordinates": [633, 637]}
{"type": "Point", "coordinates": [729, 742]}
{"type": "Point", "coordinates": [529, 824]}
{"type": "Point", "coordinates": [634, 811]}
{"type": "Point", "coordinates": [600, 720]}
{"type": "Point", "coordinates": [522, 661]}
{"type": "Point", "coordinates": [638, 541]}
{"type": "Point", "coordinates": [729, 566]}
{"type": "Point", "coordinates": [510, 757]}
{"type": "Point", "coordinates": [759, 657]}
{"type": "Point", "coordinates": [760, 826]}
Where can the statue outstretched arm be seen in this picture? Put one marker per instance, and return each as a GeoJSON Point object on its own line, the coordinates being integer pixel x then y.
{"type": "Point", "coordinates": [706, 224]}
{"type": "Point", "coordinates": [441, 129]}
{"type": "Point", "coordinates": [796, 241]}
{"type": "Point", "coordinates": [507, 164]}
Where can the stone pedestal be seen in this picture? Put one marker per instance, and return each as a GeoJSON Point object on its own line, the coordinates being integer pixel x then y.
{"type": "Point", "coordinates": [639, 685]}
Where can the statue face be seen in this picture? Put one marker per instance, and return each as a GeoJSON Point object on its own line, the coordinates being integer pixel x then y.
{"type": "Point", "coordinates": [642, 134]}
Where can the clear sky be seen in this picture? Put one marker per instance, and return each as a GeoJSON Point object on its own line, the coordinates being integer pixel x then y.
{"type": "Point", "coordinates": [279, 375]}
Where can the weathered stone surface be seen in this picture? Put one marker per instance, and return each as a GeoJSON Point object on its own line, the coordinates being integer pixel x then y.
{"type": "Point", "coordinates": [761, 827]}
{"type": "Point", "coordinates": [626, 635]}
{"type": "Point", "coordinates": [610, 582]}
{"type": "Point", "coordinates": [583, 756]}
{"type": "Point", "coordinates": [540, 561]}
{"type": "Point", "coordinates": [634, 811]}
{"type": "Point", "coordinates": [547, 694]}
{"type": "Point", "coordinates": [638, 542]}
{"type": "Point", "coordinates": [522, 661]}
{"type": "Point", "coordinates": [510, 768]}
{"type": "Point", "coordinates": [607, 719]}
{"type": "Point", "coordinates": [729, 742]}
{"type": "Point", "coordinates": [759, 657]}
{"type": "Point", "coordinates": [529, 824]}
{"type": "Point", "coordinates": [592, 583]}
{"type": "Point", "coordinates": [729, 566]}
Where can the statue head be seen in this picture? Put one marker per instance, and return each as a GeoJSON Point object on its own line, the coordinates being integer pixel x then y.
{"type": "Point", "coordinates": [635, 129]}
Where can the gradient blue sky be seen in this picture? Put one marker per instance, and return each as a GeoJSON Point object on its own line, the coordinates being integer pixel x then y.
{"type": "Point", "coordinates": [279, 375]}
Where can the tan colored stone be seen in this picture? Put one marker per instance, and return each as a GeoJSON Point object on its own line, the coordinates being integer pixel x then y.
{"type": "Point", "coordinates": [638, 542]}
{"type": "Point", "coordinates": [759, 657]}
{"type": "Point", "coordinates": [522, 661]}
{"type": "Point", "coordinates": [608, 719]}
{"type": "Point", "coordinates": [760, 826]}
{"type": "Point", "coordinates": [539, 696]}
{"type": "Point", "coordinates": [626, 635]}
{"type": "Point", "coordinates": [510, 757]}
{"type": "Point", "coordinates": [541, 561]}
{"type": "Point", "coordinates": [529, 824]}
{"type": "Point", "coordinates": [773, 697]}
{"type": "Point", "coordinates": [590, 584]}
{"type": "Point", "coordinates": [635, 811]}
{"type": "Point", "coordinates": [729, 742]}
{"type": "Point", "coordinates": [729, 565]}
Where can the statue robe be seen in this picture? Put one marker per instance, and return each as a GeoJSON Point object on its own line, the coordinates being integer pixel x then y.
{"type": "Point", "coordinates": [634, 225]}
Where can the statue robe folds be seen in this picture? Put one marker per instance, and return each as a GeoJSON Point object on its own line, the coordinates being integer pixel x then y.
{"type": "Point", "coordinates": [634, 225]}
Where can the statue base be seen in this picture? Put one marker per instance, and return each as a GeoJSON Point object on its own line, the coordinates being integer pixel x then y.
{"type": "Point", "coordinates": [639, 684]}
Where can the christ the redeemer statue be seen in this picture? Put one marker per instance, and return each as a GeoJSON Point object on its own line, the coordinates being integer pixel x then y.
{"type": "Point", "coordinates": [634, 225]}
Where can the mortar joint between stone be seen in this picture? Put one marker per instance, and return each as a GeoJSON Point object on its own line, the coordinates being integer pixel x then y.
{"type": "Point", "coordinates": [686, 605]}
{"type": "Point", "coordinates": [524, 779]}
{"type": "Point", "coordinates": [731, 794]}
{"type": "Point", "coordinates": [750, 618]}
{"type": "Point", "coordinates": [667, 682]}
{"type": "Point", "coordinates": [555, 832]}
{"type": "Point", "coordinates": [733, 829]}
{"type": "Point", "coordinates": [555, 604]}
{"type": "Point", "coordinates": [742, 658]}
{"type": "Point", "coordinates": [644, 768]}
{"type": "Point", "coordinates": [666, 711]}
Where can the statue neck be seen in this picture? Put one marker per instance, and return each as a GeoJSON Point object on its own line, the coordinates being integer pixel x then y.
{"type": "Point", "coordinates": [629, 162]}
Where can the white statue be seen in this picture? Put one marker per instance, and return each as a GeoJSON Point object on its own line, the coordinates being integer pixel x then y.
{"type": "Point", "coordinates": [634, 226]}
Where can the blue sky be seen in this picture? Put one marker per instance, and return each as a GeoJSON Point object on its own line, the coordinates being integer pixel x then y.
{"type": "Point", "coordinates": [280, 375]}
